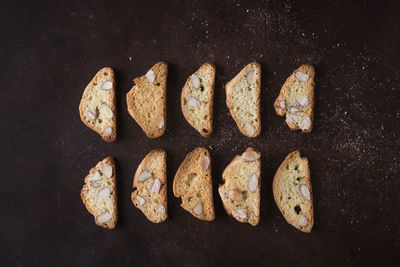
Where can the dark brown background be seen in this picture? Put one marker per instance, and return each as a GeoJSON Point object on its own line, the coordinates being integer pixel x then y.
{"type": "Point", "coordinates": [49, 52]}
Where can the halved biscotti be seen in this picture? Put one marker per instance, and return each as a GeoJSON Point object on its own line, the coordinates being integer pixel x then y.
{"type": "Point", "coordinates": [193, 184]}
{"type": "Point", "coordinates": [240, 192]}
{"type": "Point", "coordinates": [150, 186]}
{"type": "Point", "coordinates": [243, 99]}
{"type": "Point", "coordinates": [97, 107]}
{"type": "Point", "coordinates": [99, 194]}
{"type": "Point", "coordinates": [197, 99]}
{"type": "Point", "coordinates": [296, 99]}
{"type": "Point", "coordinates": [293, 193]}
{"type": "Point", "coordinates": [147, 100]}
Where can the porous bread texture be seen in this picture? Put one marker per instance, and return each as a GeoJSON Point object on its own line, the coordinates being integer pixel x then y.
{"type": "Point", "coordinates": [293, 193]}
{"type": "Point", "coordinates": [197, 99]}
{"type": "Point", "coordinates": [193, 184]}
{"type": "Point", "coordinates": [150, 186]}
{"type": "Point", "coordinates": [240, 193]}
{"type": "Point", "coordinates": [146, 100]}
{"type": "Point", "coordinates": [243, 99]}
{"type": "Point", "coordinates": [296, 99]}
{"type": "Point", "coordinates": [97, 108]}
{"type": "Point", "coordinates": [99, 194]}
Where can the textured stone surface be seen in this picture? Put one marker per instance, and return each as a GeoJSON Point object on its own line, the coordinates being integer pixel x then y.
{"type": "Point", "coordinates": [49, 52]}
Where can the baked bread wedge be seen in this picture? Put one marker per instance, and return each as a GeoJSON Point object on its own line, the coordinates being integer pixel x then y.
{"type": "Point", "coordinates": [97, 107]}
{"type": "Point", "coordinates": [193, 184]}
{"type": "Point", "coordinates": [296, 99]}
{"type": "Point", "coordinates": [99, 194]}
{"type": "Point", "coordinates": [147, 100]}
{"type": "Point", "coordinates": [240, 193]}
{"type": "Point", "coordinates": [150, 186]}
{"type": "Point", "coordinates": [243, 99]}
{"type": "Point", "coordinates": [197, 99]}
{"type": "Point", "coordinates": [293, 193]}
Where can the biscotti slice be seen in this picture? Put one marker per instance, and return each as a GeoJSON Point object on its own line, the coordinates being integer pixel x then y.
{"type": "Point", "coordinates": [240, 192]}
{"type": "Point", "coordinates": [193, 184]}
{"type": "Point", "coordinates": [150, 186]}
{"type": "Point", "coordinates": [243, 99]}
{"type": "Point", "coordinates": [296, 99]}
{"type": "Point", "coordinates": [197, 99]}
{"type": "Point", "coordinates": [99, 194]}
{"type": "Point", "coordinates": [97, 107]}
{"type": "Point", "coordinates": [147, 100]}
{"type": "Point", "coordinates": [293, 193]}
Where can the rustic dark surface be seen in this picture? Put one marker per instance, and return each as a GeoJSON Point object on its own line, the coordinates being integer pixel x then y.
{"type": "Point", "coordinates": [49, 52]}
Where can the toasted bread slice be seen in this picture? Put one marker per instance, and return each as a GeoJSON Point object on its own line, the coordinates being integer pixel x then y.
{"type": "Point", "coordinates": [193, 184]}
{"type": "Point", "coordinates": [243, 99]}
{"type": "Point", "coordinates": [99, 194]}
{"type": "Point", "coordinates": [147, 100]}
{"type": "Point", "coordinates": [197, 99]}
{"type": "Point", "coordinates": [97, 107]}
{"type": "Point", "coordinates": [293, 193]}
{"type": "Point", "coordinates": [296, 99]}
{"type": "Point", "coordinates": [150, 186]}
{"type": "Point", "coordinates": [240, 192]}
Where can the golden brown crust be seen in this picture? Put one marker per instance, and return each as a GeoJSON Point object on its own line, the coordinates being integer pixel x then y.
{"type": "Point", "coordinates": [193, 184]}
{"type": "Point", "coordinates": [309, 212]}
{"type": "Point", "coordinates": [158, 172]}
{"type": "Point", "coordinates": [101, 74]}
{"type": "Point", "coordinates": [113, 222]}
{"type": "Point", "coordinates": [146, 101]}
{"type": "Point", "coordinates": [229, 104]}
{"type": "Point", "coordinates": [205, 128]}
{"type": "Point", "coordinates": [234, 182]}
{"type": "Point", "coordinates": [285, 91]}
